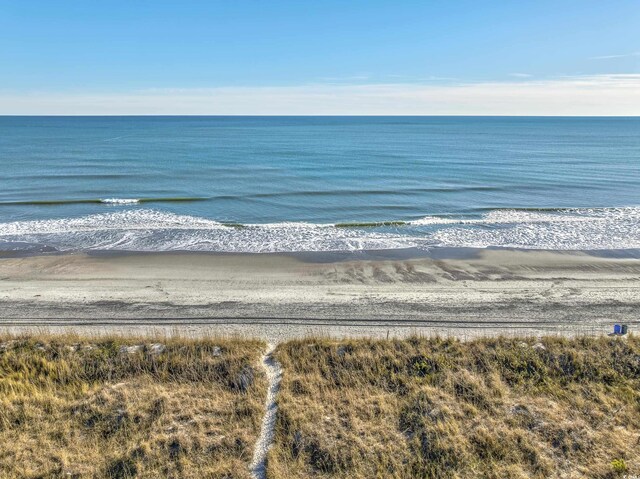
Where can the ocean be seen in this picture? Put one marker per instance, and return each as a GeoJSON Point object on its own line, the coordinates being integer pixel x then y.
{"type": "Point", "coordinates": [298, 184]}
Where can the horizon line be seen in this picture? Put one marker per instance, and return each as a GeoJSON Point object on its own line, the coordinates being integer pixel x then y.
{"type": "Point", "coordinates": [310, 115]}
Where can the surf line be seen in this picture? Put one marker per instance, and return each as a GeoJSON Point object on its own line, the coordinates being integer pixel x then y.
{"type": "Point", "coordinates": [106, 201]}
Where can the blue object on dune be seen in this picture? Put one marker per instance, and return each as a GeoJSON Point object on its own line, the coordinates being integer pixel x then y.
{"type": "Point", "coordinates": [617, 329]}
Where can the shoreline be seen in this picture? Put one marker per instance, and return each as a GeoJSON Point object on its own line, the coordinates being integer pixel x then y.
{"type": "Point", "coordinates": [282, 296]}
{"type": "Point", "coordinates": [436, 252]}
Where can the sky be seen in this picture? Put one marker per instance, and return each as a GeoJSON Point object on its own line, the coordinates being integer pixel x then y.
{"type": "Point", "coordinates": [297, 57]}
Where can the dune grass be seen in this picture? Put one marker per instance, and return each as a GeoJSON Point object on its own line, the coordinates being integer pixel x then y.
{"type": "Point", "coordinates": [443, 408]}
{"type": "Point", "coordinates": [113, 407]}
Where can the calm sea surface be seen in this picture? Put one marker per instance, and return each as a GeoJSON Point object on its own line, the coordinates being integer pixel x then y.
{"type": "Point", "coordinates": [262, 184]}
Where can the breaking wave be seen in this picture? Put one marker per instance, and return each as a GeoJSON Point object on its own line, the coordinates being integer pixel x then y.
{"type": "Point", "coordinates": [151, 230]}
{"type": "Point", "coordinates": [108, 201]}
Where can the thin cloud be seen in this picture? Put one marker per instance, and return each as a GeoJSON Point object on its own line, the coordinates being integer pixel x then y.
{"type": "Point", "coordinates": [350, 78]}
{"type": "Point", "coordinates": [418, 79]}
{"type": "Point", "coordinates": [609, 57]}
{"type": "Point", "coordinates": [611, 94]}
{"type": "Point", "coordinates": [520, 75]}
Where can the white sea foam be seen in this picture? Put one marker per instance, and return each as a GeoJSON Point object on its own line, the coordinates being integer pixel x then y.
{"type": "Point", "coordinates": [120, 201]}
{"type": "Point", "coordinates": [151, 230]}
{"type": "Point", "coordinates": [570, 229]}
{"type": "Point", "coordinates": [511, 216]}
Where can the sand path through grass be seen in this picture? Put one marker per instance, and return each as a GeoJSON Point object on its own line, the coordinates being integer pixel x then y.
{"type": "Point", "coordinates": [273, 370]}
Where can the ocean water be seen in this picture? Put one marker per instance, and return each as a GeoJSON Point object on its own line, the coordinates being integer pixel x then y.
{"type": "Point", "coordinates": [284, 184]}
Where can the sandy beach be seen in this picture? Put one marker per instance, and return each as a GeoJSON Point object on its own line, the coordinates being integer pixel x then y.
{"type": "Point", "coordinates": [276, 297]}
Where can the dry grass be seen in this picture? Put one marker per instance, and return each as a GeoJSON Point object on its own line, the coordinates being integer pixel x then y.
{"type": "Point", "coordinates": [442, 408]}
{"type": "Point", "coordinates": [74, 407]}
{"type": "Point", "coordinates": [82, 407]}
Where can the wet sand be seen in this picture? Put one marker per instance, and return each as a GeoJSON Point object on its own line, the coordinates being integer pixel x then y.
{"type": "Point", "coordinates": [278, 297]}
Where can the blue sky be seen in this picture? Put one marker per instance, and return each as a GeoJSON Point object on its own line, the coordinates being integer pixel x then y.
{"type": "Point", "coordinates": [299, 56]}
